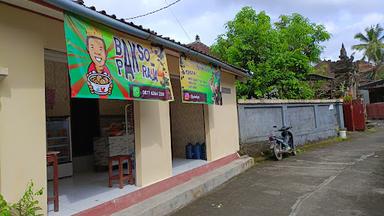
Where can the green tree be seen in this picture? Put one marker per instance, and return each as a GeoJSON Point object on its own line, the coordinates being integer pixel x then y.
{"type": "Point", "coordinates": [372, 45]}
{"type": "Point", "coordinates": [279, 54]}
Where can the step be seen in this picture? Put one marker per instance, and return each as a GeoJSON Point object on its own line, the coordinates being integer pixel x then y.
{"type": "Point", "coordinates": [183, 194]}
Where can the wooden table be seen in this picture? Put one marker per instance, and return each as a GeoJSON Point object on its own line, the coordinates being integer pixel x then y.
{"type": "Point", "coordinates": [53, 161]}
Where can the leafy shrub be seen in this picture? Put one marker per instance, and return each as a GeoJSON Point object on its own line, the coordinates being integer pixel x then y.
{"type": "Point", "coordinates": [347, 99]}
{"type": "Point", "coordinates": [26, 206]}
{"type": "Point", "coordinates": [5, 209]}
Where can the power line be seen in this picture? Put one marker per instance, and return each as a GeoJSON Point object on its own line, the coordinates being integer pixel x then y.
{"type": "Point", "coordinates": [152, 12]}
{"type": "Point", "coordinates": [178, 21]}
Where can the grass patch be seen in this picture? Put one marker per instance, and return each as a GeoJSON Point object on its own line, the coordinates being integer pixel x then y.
{"type": "Point", "coordinates": [319, 144]}
{"type": "Point", "coordinates": [371, 130]}
{"type": "Point", "coordinates": [260, 159]}
{"type": "Point", "coordinates": [267, 155]}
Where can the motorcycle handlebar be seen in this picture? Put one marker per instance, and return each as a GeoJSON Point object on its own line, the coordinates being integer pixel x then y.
{"type": "Point", "coordinates": [283, 128]}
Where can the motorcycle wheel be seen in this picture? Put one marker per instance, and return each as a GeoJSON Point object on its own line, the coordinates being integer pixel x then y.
{"type": "Point", "coordinates": [277, 152]}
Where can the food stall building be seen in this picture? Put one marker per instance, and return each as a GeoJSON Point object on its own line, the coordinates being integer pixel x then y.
{"type": "Point", "coordinates": [89, 86]}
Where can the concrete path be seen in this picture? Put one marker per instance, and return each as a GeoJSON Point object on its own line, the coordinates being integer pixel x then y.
{"type": "Point", "coordinates": [341, 179]}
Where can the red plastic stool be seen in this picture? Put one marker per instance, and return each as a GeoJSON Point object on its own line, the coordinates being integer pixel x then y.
{"type": "Point", "coordinates": [120, 159]}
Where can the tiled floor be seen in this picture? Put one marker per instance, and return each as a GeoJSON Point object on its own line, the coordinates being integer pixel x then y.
{"type": "Point", "coordinates": [86, 190]}
{"type": "Point", "coordinates": [181, 165]}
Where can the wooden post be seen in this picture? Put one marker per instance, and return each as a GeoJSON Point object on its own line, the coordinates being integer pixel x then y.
{"type": "Point", "coordinates": [52, 159]}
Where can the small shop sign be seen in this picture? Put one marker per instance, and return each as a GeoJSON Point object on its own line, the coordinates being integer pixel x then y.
{"type": "Point", "coordinates": [225, 90]}
{"type": "Point", "coordinates": [104, 63]}
{"type": "Point", "coordinates": [200, 83]}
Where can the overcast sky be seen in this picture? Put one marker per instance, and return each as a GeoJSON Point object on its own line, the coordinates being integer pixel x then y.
{"type": "Point", "coordinates": [342, 18]}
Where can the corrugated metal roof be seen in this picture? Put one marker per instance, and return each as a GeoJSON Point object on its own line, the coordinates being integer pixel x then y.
{"type": "Point", "coordinates": [373, 84]}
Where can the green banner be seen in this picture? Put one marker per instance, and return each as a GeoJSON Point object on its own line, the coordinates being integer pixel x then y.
{"type": "Point", "coordinates": [200, 83]}
{"type": "Point", "coordinates": [104, 63]}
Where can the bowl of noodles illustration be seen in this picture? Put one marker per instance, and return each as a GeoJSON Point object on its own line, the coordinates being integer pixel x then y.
{"type": "Point", "coordinates": [100, 83]}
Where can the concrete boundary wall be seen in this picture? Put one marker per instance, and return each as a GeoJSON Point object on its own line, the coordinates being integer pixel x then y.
{"type": "Point", "coordinates": [310, 119]}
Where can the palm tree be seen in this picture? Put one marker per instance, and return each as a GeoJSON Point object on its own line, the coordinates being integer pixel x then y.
{"type": "Point", "coordinates": [372, 44]}
{"type": "Point", "coordinates": [373, 47]}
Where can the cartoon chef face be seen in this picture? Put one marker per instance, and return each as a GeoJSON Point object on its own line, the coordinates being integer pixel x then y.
{"type": "Point", "coordinates": [96, 50]}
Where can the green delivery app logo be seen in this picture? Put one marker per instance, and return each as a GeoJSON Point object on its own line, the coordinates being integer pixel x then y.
{"type": "Point", "coordinates": [136, 91]}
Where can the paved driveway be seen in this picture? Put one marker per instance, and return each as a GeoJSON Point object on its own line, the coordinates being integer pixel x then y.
{"type": "Point", "coordinates": [341, 179]}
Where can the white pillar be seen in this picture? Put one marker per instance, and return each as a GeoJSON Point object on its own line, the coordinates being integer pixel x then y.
{"type": "Point", "coordinates": [152, 142]}
{"type": "Point", "coordinates": [221, 123]}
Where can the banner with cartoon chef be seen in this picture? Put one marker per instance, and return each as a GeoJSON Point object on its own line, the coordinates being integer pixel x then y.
{"type": "Point", "coordinates": [200, 83]}
{"type": "Point", "coordinates": [104, 63]}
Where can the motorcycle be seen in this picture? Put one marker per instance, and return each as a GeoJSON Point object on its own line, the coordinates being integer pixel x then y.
{"type": "Point", "coordinates": [282, 144]}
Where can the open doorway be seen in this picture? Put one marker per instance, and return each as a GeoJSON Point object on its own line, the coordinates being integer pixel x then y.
{"type": "Point", "coordinates": [86, 133]}
{"type": "Point", "coordinates": [187, 128]}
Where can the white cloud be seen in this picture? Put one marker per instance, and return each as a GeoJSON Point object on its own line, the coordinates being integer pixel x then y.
{"type": "Point", "coordinates": [331, 27]}
{"type": "Point", "coordinates": [368, 20]}
{"type": "Point", "coordinates": [345, 33]}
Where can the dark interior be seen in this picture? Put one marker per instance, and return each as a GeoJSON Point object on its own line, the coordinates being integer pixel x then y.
{"type": "Point", "coordinates": [85, 125]}
{"type": "Point", "coordinates": [376, 95]}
